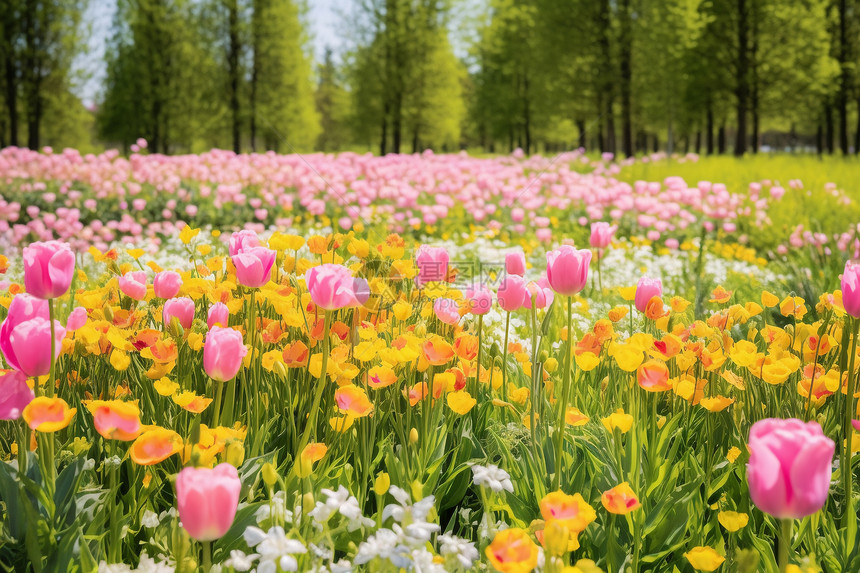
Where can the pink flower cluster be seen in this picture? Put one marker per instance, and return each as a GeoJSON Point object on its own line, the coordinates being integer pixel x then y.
{"type": "Point", "coordinates": [96, 199]}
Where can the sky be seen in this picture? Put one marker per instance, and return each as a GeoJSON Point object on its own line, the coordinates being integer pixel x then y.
{"type": "Point", "coordinates": [325, 18]}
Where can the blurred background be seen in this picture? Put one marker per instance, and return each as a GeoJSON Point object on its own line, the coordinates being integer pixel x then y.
{"type": "Point", "coordinates": [489, 76]}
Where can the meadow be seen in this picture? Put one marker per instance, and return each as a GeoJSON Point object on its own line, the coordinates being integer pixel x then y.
{"type": "Point", "coordinates": [425, 362]}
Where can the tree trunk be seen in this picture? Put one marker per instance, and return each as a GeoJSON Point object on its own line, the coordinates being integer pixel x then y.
{"type": "Point", "coordinates": [605, 25]}
{"type": "Point", "coordinates": [755, 86]}
{"type": "Point", "coordinates": [857, 131]}
{"type": "Point", "coordinates": [845, 76]}
{"type": "Point", "coordinates": [233, 64]}
{"type": "Point", "coordinates": [626, 77]}
{"type": "Point", "coordinates": [819, 140]}
{"type": "Point", "coordinates": [580, 126]}
{"type": "Point", "coordinates": [829, 135]}
{"type": "Point", "coordinates": [742, 78]}
{"type": "Point", "coordinates": [11, 75]}
{"type": "Point", "coordinates": [698, 141]}
{"type": "Point", "coordinates": [383, 141]}
{"type": "Point", "coordinates": [527, 115]}
{"type": "Point", "coordinates": [709, 129]}
{"type": "Point", "coordinates": [33, 73]}
{"type": "Point", "coordinates": [721, 139]}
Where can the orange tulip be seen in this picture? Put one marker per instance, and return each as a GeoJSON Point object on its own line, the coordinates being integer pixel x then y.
{"type": "Point", "coordinates": [572, 511]}
{"type": "Point", "coordinates": [620, 499]}
{"type": "Point", "coordinates": [653, 376]}
{"type": "Point", "coordinates": [437, 350]}
{"type": "Point", "coordinates": [512, 551]}
{"type": "Point", "coordinates": [45, 414]}
{"type": "Point", "coordinates": [115, 419]}
{"type": "Point", "coordinates": [154, 446]}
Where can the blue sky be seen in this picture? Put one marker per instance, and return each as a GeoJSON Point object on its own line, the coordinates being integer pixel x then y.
{"type": "Point", "coordinates": [325, 17]}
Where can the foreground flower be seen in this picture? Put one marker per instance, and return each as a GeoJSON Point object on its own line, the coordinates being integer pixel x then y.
{"type": "Point", "coordinates": [219, 315]}
{"type": "Point", "coordinates": [25, 336]}
{"type": "Point", "coordinates": [572, 511]}
{"type": "Point", "coordinates": [115, 419]}
{"type": "Point", "coordinates": [155, 446]}
{"type": "Point", "coordinates": [620, 499]}
{"type": "Point", "coordinates": [732, 520]}
{"type": "Point", "coordinates": [567, 269]}
{"type": "Point", "coordinates": [333, 287]}
{"type": "Point", "coordinates": [48, 269]}
{"type": "Point", "coordinates": [45, 414]}
{"type": "Point", "coordinates": [704, 558]}
{"type": "Point", "coordinates": [223, 353]}
{"type": "Point", "coordinates": [601, 234]}
{"type": "Point", "coordinates": [133, 284]}
{"type": "Point", "coordinates": [432, 263]}
{"type": "Point", "coordinates": [182, 309]}
{"type": "Point", "coordinates": [167, 284]}
{"type": "Point", "coordinates": [647, 289]}
{"type": "Point", "coordinates": [789, 468]}
{"type": "Point", "coordinates": [207, 500]}
{"type": "Point", "coordinates": [480, 299]}
{"type": "Point", "coordinates": [653, 376]}
{"type": "Point", "coordinates": [512, 551]}
{"type": "Point", "coordinates": [850, 288]}
{"type": "Point", "coordinates": [446, 310]}
{"type": "Point", "coordinates": [515, 264]}
{"type": "Point", "coordinates": [493, 477]}
{"type": "Point", "coordinates": [254, 266]}
{"type": "Point", "coordinates": [512, 293]}
{"type": "Point", "coordinates": [15, 394]}
{"type": "Point", "coordinates": [244, 240]}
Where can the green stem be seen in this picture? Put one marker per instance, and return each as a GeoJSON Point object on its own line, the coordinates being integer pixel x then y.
{"type": "Point", "coordinates": [784, 543]}
{"type": "Point", "coordinates": [207, 556]}
{"type": "Point", "coordinates": [51, 379]}
{"type": "Point", "coordinates": [216, 410]}
{"type": "Point", "coordinates": [478, 358]}
{"type": "Point", "coordinates": [845, 462]}
{"type": "Point", "coordinates": [312, 415]}
{"type": "Point", "coordinates": [505, 367]}
{"type": "Point", "coordinates": [561, 398]}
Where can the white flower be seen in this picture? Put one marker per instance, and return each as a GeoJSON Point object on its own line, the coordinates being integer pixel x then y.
{"type": "Point", "coordinates": [422, 562]}
{"type": "Point", "coordinates": [413, 517]}
{"type": "Point", "coordinates": [241, 562]}
{"type": "Point", "coordinates": [384, 544]}
{"type": "Point", "coordinates": [342, 502]}
{"type": "Point", "coordinates": [461, 549]}
{"type": "Point", "coordinates": [492, 477]}
{"type": "Point", "coordinates": [276, 510]}
{"type": "Point", "coordinates": [149, 519]}
{"type": "Point", "coordinates": [274, 548]}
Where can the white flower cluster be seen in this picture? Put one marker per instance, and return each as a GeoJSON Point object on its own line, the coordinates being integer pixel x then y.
{"type": "Point", "coordinates": [492, 477]}
{"type": "Point", "coordinates": [146, 565]}
{"type": "Point", "coordinates": [342, 502]}
{"type": "Point", "coordinates": [404, 544]}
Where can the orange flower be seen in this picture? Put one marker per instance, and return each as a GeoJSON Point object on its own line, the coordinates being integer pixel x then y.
{"type": "Point", "coordinates": [417, 393]}
{"type": "Point", "coordinates": [620, 499]}
{"type": "Point", "coordinates": [654, 308]}
{"type": "Point", "coordinates": [115, 419]}
{"type": "Point", "coordinates": [145, 338]}
{"type": "Point", "coordinates": [569, 510]}
{"type": "Point", "coordinates": [437, 350]}
{"type": "Point", "coordinates": [466, 346]}
{"type": "Point", "coordinates": [45, 414]}
{"type": "Point", "coordinates": [574, 417]}
{"type": "Point", "coordinates": [192, 402]}
{"type": "Point", "coordinates": [653, 376]}
{"type": "Point", "coordinates": [380, 377]}
{"type": "Point", "coordinates": [512, 551]}
{"type": "Point", "coordinates": [617, 313]}
{"type": "Point", "coordinates": [351, 399]}
{"type": "Point", "coordinates": [312, 453]}
{"type": "Point", "coordinates": [296, 354]}
{"type": "Point", "coordinates": [162, 352]}
{"type": "Point", "coordinates": [721, 295]}
{"type": "Point", "coordinates": [154, 446]}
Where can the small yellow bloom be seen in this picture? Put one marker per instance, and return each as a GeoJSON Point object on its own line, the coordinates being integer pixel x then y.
{"type": "Point", "coordinates": [618, 419]}
{"type": "Point", "coordinates": [187, 234]}
{"type": "Point", "coordinates": [769, 299]}
{"type": "Point", "coordinates": [704, 558]}
{"type": "Point", "coordinates": [733, 454]}
{"type": "Point", "coordinates": [460, 401]}
{"type": "Point", "coordinates": [587, 361]}
{"type": "Point", "coordinates": [381, 484]}
{"type": "Point", "coordinates": [733, 520]}
{"type": "Point", "coordinates": [120, 360]}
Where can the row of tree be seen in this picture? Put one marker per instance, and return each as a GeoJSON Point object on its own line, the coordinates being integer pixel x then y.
{"type": "Point", "coordinates": [621, 76]}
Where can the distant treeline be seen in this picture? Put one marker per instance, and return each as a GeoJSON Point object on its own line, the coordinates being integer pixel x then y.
{"type": "Point", "coordinates": [619, 76]}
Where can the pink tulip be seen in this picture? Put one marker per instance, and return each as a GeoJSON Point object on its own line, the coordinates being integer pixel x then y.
{"type": "Point", "coordinates": [333, 287]}
{"type": "Point", "coordinates": [789, 468]}
{"type": "Point", "coordinates": [25, 336]}
{"type": "Point", "coordinates": [567, 269]}
{"type": "Point", "coordinates": [432, 263]}
{"type": "Point", "coordinates": [241, 241]}
{"type": "Point", "coordinates": [601, 234]}
{"type": "Point", "coordinates": [218, 314]}
{"type": "Point", "coordinates": [48, 269]}
{"type": "Point", "coordinates": [182, 309]}
{"type": "Point", "coordinates": [540, 292]}
{"type": "Point", "coordinates": [447, 310]}
{"type": "Point", "coordinates": [223, 352]}
{"type": "Point", "coordinates": [15, 394]}
{"type": "Point", "coordinates": [207, 500]}
{"type": "Point", "coordinates": [515, 263]}
{"type": "Point", "coordinates": [133, 284]}
{"type": "Point", "coordinates": [851, 288]}
{"type": "Point", "coordinates": [167, 284]}
{"type": "Point", "coordinates": [254, 266]}
{"type": "Point", "coordinates": [512, 293]}
{"type": "Point", "coordinates": [480, 299]}
{"type": "Point", "coordinates": [647, 289]}
{"type": "Point", "coordinates": [77, 319]}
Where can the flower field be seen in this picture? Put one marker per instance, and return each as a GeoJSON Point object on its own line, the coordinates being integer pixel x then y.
{"type": "Point", "coordinates": [571, 364]}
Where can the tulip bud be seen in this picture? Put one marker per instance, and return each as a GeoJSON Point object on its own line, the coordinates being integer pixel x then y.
{"type": "Point", "coordinates": [270, 474]}
{"type": "Point", "coordinates": [417, 490]}
{"type": "Point", "coordinates": [543, 356]}
{"type": "Point", "coordinates": [381, 484]}
{"type": "Point", "coordinates": [551, 365]}
{"type": "Point", "coordinates": [235, 453]}
{"type": "Point", "coordinates": [175, 329]}
{"type": "Point", "coordinates": [555, 537]}
{"type": "Point", "coordinates": [413, 436]}
{"type": "Point", "coordinates": [108, 312]}
{"type": "Point", "coordinates": [308, 502]}
{"type": "Point", "coordinates": [421, 330]}
{"type": "Point", "coordinates": [280, 369]}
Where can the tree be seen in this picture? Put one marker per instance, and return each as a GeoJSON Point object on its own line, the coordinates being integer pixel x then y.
{"type": "Point", "coordinates": [332, 104]}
